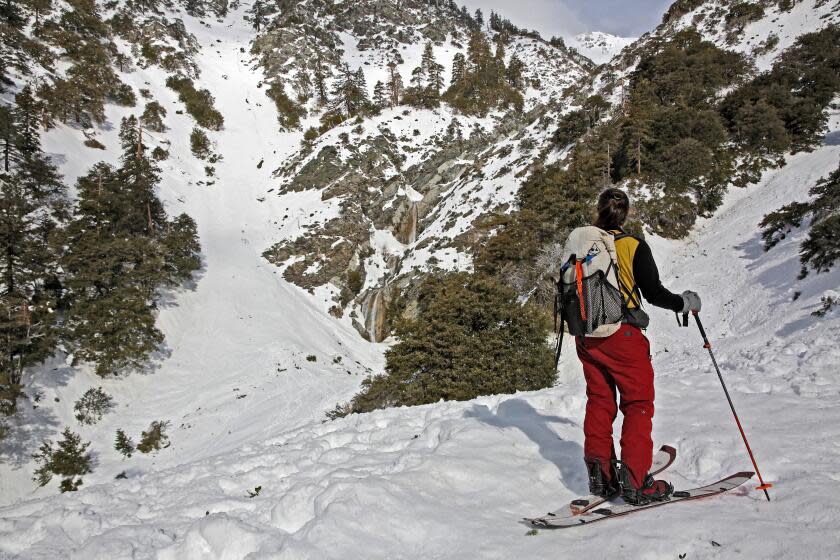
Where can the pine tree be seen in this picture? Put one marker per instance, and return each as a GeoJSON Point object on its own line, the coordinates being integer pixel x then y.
{"type": "Point", "coordinates": [380, 95]}
{"type": "Point", "coordinates": [426, 81]}
{"type": "Point", "coordinates": [471, 337]}
{"type": "Point", "coordinates": [320, 81]}
{"type": "Point", "coordinates": [199, 143]}
{"type": "Point", "coordinates": [361, 90]}
{"type": "Point", "coordinates": [513, 73]}
{"type": "Point", "coordinates": [122, 248]}
{"type": "Point", "coordinates": [181, 250]}
{"type": "Point", "coordinates": [153, 116]}
{"type": "Point", "coordinates": [349, 94]}
{"type": "Point", "coordinates": [481, 85]}
{"type": "Point", "coordinates": [123, 444]}
{"type": "Point", "coordinates": [32, 208]}
{"type": "Point", "coordinates": [69, 460]}
{"type": "Point", "coordinates": [40, 8]}
{"type": "Point", "coordinates": [459, 68]}
{"type": "Point", "coordinates": [395, 84]}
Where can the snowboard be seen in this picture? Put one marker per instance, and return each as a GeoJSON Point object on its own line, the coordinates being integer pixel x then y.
{"type": "Point", "coordinates": [622, 509]}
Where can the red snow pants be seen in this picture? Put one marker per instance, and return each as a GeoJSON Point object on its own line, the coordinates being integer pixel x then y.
{"type": "Point", "coordinates": [620, 361]}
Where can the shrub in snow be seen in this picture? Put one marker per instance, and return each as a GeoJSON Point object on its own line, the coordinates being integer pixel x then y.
{"type": "Point", "coordinates": [159, 154]}
{"type": "Point", "coordinates": [123, 444]}
{"type": "Point", "coordinates": [470, 337]}
{"type": "Point", "coordinates": [199, 143]}
{"type": "Point", "coordinates": [94, 143]}
{"type": "Point", "coordinates": [68, 460]}
{"type": "Point", "coordinates": [154, 438]}
{"type": "Point", "coordinates": [289, 113]}
{"type": "Point", "coordinates": [829, 300]}
{"type": "Point", "coordinates": [92, 406]}
{"type": "Point", "coordinates": [153, 116]}
{"type": "Point", "coordinates": [340, 411]}
{"type": "Point", "coordinates": [199, 103]}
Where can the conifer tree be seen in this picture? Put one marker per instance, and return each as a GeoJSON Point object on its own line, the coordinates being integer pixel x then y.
{"type": "Point", "coordinates": [319, 76]}
{"type": "Point", "coordinates": [380, 95]}
{"type": "Point", "coordinates": [153, 116]}
{"type": "Point", "coordinates": [123, 444]}
{"type": "Point", "coordinates": [459, 68]}
{"type": "Point", "coordinates": [32, 208]}
{"type": "Point", "coordinates": [395, 84]}
{"type": "Point", "coordinates": [426, 81]}
{"type": "Point", "coordinates": [513, 73]}
{"type": "Point", "coordinates": [122, 248]}
{"type": "Point", "coordinates": [482, 86]}
{"type": "Point", "coordinates": [69, 460]}
{"type": "Point", "coordinates": [349, 94]}
{"type": "Point", "coordinates": [471, 337]}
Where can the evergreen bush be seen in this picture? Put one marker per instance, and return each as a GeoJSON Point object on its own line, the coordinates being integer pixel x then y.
{"type": "Point", "coordinates": [93, 405]}
{"type": "Point", "coordinates": [199, 143]}
{"type": "Point", "coordinates": [289, 113]}
{"type": "Point", "coordinates": [471, 337]}
{"type": "Point", "coordinates": [123, 444]}
{"type": "Point", "coordinates": [199, 103]}
{"type": "Point", "coordinates": [155, 438]}
{"type": "Point", "coordinates": [69, 460]}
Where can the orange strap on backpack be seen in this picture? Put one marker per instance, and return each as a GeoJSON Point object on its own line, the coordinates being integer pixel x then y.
{"type": "Point", "coordinates": [579, 281]}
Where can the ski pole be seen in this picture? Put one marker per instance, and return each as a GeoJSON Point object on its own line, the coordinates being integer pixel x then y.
{"type": "Point", "coordinates": [708, 346]}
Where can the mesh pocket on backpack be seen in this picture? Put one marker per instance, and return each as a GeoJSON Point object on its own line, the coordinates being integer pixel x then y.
{"type": "Point", "coordinates": [603, 304]}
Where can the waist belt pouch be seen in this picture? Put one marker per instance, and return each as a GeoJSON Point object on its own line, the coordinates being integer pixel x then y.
{"type": "Point", "coordinates": [637, 317]}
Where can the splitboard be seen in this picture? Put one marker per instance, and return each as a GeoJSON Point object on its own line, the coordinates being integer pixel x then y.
{"type": "Point", "coordinates": [621, 509]}
{"type": "Point", "coordinates": [663, 459]}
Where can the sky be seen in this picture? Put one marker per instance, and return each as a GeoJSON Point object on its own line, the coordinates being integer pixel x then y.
{"type": "Point", "coordinates": [564, 18]}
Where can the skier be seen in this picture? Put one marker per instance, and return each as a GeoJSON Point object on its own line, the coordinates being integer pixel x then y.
{"type": "Point", "coordinates": [622, 362]}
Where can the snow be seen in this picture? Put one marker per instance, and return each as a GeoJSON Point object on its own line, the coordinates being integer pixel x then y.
{"type": "Point", "coordinates": [599, 47]}
{"type": "Point", "coordinates": [786, 26]}
{"type": "Point", "coordinates": [446, 480]}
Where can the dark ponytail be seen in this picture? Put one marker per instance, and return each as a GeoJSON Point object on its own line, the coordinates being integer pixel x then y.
{"type": "Point", "coordinates": [613, 207]}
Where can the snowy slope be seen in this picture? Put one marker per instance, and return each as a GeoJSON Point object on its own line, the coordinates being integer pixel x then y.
{"type": "Point", "coordinates": [451, 480]}
{"type": "Point", "coordinates": [240, 330]}
{"type": "Point", "coordinates": [599, 47]}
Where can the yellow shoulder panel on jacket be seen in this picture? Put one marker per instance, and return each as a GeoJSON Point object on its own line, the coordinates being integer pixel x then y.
{"type": "Point", "coordinates": [625, 249]}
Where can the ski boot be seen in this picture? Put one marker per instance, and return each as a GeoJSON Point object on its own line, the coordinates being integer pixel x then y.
{"type": "Point", "coordinates": [650, 491]}
{"type": "Point", "coordinates": [598, 486]}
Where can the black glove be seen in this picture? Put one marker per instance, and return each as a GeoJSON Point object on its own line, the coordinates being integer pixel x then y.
{"type": "Point", "coordinates": [691, 301]}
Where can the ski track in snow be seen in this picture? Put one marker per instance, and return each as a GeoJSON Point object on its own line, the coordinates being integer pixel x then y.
{"type": "Point", "coordinates": [448, 480]}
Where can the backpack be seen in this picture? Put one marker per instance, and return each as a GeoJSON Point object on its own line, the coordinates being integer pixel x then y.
{"type": "Point", "coordinates": [588, 296]}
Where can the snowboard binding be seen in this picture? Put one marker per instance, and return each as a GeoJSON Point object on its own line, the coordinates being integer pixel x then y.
{"type": "Point", "coordinates": [598, 485]}
{"type": "Point", "coordinates": [650, 491]}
